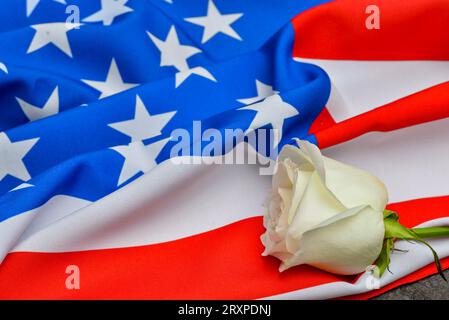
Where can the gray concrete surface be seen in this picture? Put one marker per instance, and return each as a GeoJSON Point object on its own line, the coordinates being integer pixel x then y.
{"type": "Point", "coordinates": [432, 288]}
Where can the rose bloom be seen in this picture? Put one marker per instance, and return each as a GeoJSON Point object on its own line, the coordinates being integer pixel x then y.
{"type": "Point", "coordinates": [323, 213]}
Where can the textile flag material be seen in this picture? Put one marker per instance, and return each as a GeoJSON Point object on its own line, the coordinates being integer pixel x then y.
{"type": "Point", "coordinates": [88, 114]}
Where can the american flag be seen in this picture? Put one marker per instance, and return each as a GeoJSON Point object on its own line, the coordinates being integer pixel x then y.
{"type": "Point", "coordinates": [91, 92]}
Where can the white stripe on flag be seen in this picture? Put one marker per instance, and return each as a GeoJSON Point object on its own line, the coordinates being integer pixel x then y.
{"type": "Point", "coordinates": [170, 202]}
{"type": "Point", "coordinates": [176, 201]}
{"type": "Point", "coordinates": [360, 86]}
{"type": "Point", "coordinates": [20, 227]}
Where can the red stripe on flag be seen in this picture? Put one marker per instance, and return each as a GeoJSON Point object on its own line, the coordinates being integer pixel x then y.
{"type": "Point", "coordinates": [424, 106]}
{"type": "Point", "coordinates": [409, 30]}
{"type": "Point", "coordinates": [225, 263]}
{"type": "Point", "coordinates": [221, 264]}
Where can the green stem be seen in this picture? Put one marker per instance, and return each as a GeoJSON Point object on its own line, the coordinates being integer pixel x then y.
{"type": "Point", "coordinates": [431, 232]}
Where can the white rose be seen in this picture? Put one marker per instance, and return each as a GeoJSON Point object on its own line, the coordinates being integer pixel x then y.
{"type": "Point", "coordinates": [323, 213]}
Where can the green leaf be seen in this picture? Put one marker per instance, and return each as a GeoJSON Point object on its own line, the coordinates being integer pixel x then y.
{"type": "Point", "coordinates": [383, 261]}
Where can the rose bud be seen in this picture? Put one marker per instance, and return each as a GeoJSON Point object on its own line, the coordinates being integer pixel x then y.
{"type": "Point", "coordinates": [323, 213]}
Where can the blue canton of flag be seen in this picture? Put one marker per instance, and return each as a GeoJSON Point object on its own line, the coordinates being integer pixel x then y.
{"type": "Point", "coordinates": [87, 106]}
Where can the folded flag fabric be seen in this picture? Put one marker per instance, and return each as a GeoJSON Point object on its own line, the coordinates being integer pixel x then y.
{"type": "Point", "coordinates": [90, 108]}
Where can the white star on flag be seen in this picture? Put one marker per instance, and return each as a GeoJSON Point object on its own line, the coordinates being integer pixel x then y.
{"type": "Point", "coordinates": [273, 110]}
{"type": "Point", "coordinates": [52, 33]}
{"type": "Point", "coordinates": [175, 54]}
{"type": "Point", "coordinates": [33, 113]}
{"type": "Point", "coordinates": [113, 84]}
{"type": "Point", "coordinates": [143, 126]}
{"type": "Point", "coordinates": [12, 154]}
{"type": "Point", "coordinates": [138, 158]}
{"type": "Point", "coordinates": [110, 9]}
{"type": "Point", "coordinates": [263, 91]}
{"type": "Point", "coordinates": [22, 186]}
{"type": "Point", "coordinates": [215, 22]}
{"type": "Point", "coordinates": [172, 52]}
{"type": "Point", "coordinates": [32, 4]}
{"type": "Point", "coordinates": [199, 71]}
{"type": "Point", "coordinates": [3, 68]}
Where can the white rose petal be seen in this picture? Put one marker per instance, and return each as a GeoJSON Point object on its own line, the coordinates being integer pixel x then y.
{"type": "Point", "coordinates": [323, 213]}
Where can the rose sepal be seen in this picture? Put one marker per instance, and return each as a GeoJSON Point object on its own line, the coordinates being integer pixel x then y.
{"type": "Point", "coordinates": [395, 230]}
